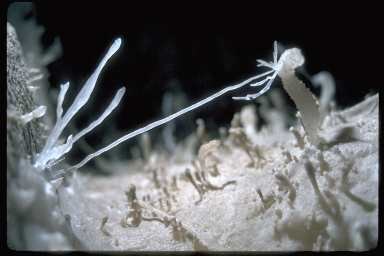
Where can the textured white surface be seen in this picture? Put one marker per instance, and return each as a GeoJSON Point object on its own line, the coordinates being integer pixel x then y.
{"type": "Point", "coordinates": [261, 192]}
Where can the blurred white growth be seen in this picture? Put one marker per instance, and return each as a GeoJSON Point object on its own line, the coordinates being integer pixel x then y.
{"type": "Point", "coordinates": [326, 81]}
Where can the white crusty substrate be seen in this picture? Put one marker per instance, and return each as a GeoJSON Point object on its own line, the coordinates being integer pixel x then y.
{"type": "Point", "coordinates": [266, 190]}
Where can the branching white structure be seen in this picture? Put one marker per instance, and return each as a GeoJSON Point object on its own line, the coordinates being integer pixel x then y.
{"type": "Point", "coordinates": [53, 151]}
{"type": "Point", "coordinates": [275, 66]}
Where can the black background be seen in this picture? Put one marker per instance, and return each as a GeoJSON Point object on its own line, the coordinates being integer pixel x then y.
{"type": "Point", "coordinates": [205, 47]}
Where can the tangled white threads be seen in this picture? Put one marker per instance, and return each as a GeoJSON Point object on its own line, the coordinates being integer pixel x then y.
{"type": "Point", "coordinates": [268, 79]}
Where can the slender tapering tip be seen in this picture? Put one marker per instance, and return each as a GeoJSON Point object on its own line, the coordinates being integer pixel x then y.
{"type": "Point", "coordinates": [114, 47]}
{"type": "Point", "coordinates": [117, 42]}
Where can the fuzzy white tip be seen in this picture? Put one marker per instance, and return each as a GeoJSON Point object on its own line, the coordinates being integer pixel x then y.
{"type": "Point", "coordinates": [290, 60]}
{"type": "Point", "coordinates": [114, 47]}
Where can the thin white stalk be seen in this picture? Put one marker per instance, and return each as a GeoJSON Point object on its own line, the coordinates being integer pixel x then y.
{"type": "Point", "coordinates": [166, 119]}
{"type": "Point", "coordinates": [114, 103]}
{"type": "Point", "coordinates": [60, 100]}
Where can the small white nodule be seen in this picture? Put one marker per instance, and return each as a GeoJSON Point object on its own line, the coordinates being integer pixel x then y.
{"type": "Point", "coordinates": [36, 113]}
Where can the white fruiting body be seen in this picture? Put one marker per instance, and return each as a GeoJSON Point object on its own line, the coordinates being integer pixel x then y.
{"type": "Point", "coordinates": [284, 67]}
